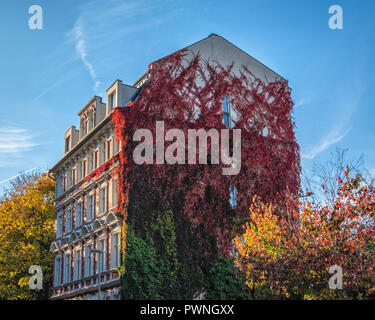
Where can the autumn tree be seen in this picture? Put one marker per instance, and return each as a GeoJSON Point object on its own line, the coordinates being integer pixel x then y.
{"type": "Point", "coordinates": [328, 173]}
{"type": "Point", "coordinates": [27, 230]}
{"type": "Point", "coordinates": [287, 248]}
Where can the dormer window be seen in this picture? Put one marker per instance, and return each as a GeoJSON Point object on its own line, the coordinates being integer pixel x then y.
{"type": "Point", "coordinates": [67, 144]}
{"type": "Point", "coordinates": [111, 101]}
{"type": "Point", "coordinates": [86, 126]}
{"type": "Point", "coordinates": [92, 120]}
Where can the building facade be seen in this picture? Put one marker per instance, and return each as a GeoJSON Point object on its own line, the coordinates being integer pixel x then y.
{"type": "Point", "coordinates": [87, 190]}
{"type": "Point", "coordinates": [86, 199]}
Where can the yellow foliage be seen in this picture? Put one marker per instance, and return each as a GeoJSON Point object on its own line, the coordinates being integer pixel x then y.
{"type": "Point", "coordinates": [27, 230]}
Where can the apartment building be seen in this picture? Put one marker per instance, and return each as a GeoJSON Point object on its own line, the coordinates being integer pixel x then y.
{"type": "Point", "coordinates": [88, 228]}
{"type": "Point", "coordinates": [86, 199]}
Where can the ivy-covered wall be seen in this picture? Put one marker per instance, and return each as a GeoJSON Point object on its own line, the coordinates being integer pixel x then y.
{"type": "Point", "coordinates": [178, 221]}
{"type": "Point", "coordinates": [158, 265]}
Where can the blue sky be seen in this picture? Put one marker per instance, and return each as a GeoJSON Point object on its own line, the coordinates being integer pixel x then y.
{"type": "Point", "coordinates": [48, 75]}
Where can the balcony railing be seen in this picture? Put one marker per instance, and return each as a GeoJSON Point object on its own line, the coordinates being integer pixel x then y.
{"type": "Point", "coordinates": [86, 284]}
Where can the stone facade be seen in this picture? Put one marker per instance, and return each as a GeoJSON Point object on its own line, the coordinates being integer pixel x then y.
{"type": "Point", "coordinates": [86, 199]}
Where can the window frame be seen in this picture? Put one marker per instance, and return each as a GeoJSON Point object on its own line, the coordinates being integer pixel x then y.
{"type": "Point", "coordinates": [67, 267]}
{"type": "Point", "coordinates": [69, 220]}
{"type": "Point", "coordinates": [103, 199]}
{"type": "Point", "coordinates": [67, 144]}
{"type": "Point", "coordinates": [57, 270]}
{"type": "Point", "coordinates": [233, 196]}
{"type": "Point", "coordinates": [77, 269]}
{"type": "Point", "coordinates": [115, 188]}
{"type": "Point", "coordinates": [115, 249]}
{"type": "Point", "coordinates": [90, 205]}
{"type": "Point", "coordinates": [59, 224]}
{"type": "Point", "coordinates": [78, 218]}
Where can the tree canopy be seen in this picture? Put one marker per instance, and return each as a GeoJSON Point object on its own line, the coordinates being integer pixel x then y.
{"type": "Point", "coordinates": [27, 230]}
{"type": "Point", "coordinates": [289, 255]}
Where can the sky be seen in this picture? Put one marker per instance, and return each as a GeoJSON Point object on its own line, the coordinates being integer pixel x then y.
{"type": "Point", "coordinates": [48, 75]}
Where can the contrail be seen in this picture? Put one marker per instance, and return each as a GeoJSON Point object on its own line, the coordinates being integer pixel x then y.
{"type": "Point", "coordinates": [23, 172]}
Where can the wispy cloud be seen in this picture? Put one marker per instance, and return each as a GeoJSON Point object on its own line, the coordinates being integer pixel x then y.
{"type": "Point", "coordinates": [301, 103]}
{"type": "Point", "coordinates": [102, 30]}
{"type": "Point", "coordinates": [81, 48]}
{"type": "Point", "coordinates": [333, 137]}
{"type": "Point", "coordinates": [60, 80]}
{"type": "Point", "coordinates": [14, 142]}
{"type": "Point", "coordinates": [344, 104]}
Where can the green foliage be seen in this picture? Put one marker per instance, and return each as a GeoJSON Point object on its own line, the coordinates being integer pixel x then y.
{"type": "Point", "coordinates": [151, 265]}
{"type": "Point", "coordinates": [142, 278]}
{"type": "Point", "coordinates": [160, 265]}
{"type": "Point", "coordinates": [224, 283]}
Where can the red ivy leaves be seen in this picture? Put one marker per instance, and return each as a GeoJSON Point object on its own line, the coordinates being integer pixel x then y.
{"type": "Point", "coordinates": [187, 93]}
{"type": "Point", "coordinates": [103, 168]}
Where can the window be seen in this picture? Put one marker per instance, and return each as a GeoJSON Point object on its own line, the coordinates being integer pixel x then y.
{"type": "Point", "coordinates": [114, 193]}
{"type": "Point", "coordinates": [109, 142]}
{"type": "Point", "coordinates": [78, 221]}
{"type": "Point", "coordinates": [115, 250]}
{"type": "Point", "coordinates": [69, 179]}
{"type": "Point", "coordinates": [96, 160]}
{"type": "Point", "coordinates": [111, 101]}
{"type": "Point", "coordinates": [69, 220]}
{"type": "Point", "coordinates": [233, 196]}
{"type": "Point", "coordinates": [67, 266]}
{"type": "Point", "coordinates": [116, 146]}
{"type": "Point", "coordinates": [65, 183]}
{"type": "Point", "coordinates": [59, 226]}
{"type": "Point", "coordinates": [79, 172]}
{"type": "Point", "coordinates": [84, 168]}
{"type": "Point", "coordinates": [101, 256]}
{"type": "Point", "coordinates": [102, 153]}
{"type": "Point", "coordinates": [91, 163]}
{"type": "Point", "coordinates": [88, 262]}
{"type": "Point", "coordinates": [58, 186]}
{"type": "Point", "coordinates": [93, 119]}
{"type": "Point", "coordinates": [74, 172]}
{"type": "Point", "coordinates": [57, 274]}
{"type": "Point", "coordinates": [77, 264]}
{"type": "Point", "coordinates": [229, 113]}
{"type": "Point", "coordinates": [67, 144]}
{"type": "Point", "coordinates": [86, 126]}
{"type": "Point", "coordinates": [90, 208]}
{"type": "Point", "coordinates": [102, 200]}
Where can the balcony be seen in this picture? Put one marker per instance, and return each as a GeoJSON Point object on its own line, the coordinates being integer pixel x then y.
{"type": "Point", "coordinates": [108, 279]}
